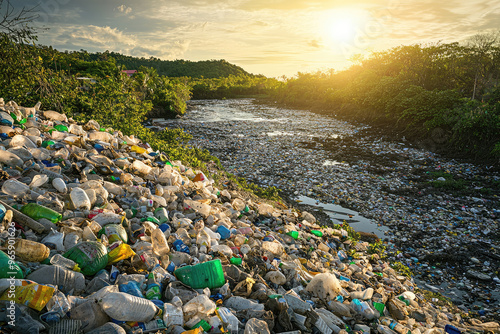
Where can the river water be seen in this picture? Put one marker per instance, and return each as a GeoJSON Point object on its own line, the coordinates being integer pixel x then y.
{"type": "Point", "coordinates": [373, 182]}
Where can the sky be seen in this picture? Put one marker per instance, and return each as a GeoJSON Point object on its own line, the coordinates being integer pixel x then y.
{"type": "Point", "coordinates": [270, 37]}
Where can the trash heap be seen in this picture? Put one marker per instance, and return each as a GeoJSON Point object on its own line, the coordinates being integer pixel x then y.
{"type": "Point", "coordinates": [101, 234]}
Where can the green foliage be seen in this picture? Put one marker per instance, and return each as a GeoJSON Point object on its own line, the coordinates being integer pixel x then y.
{"type": "Point", "coordinates": [402, 269]}
{"type": "Point", "coordinates": [377, 247]}
{"type": "Point", "coordinates": [450, 87]}
{"type": "Point", "coordinates": [232, 87]}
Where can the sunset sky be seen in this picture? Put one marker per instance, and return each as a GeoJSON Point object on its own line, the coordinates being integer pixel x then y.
{"type": "Point", "coordinates": [270, 37]}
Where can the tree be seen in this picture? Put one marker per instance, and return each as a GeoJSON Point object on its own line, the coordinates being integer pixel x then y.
{"type": "Point", "coordinates": [17, 23]}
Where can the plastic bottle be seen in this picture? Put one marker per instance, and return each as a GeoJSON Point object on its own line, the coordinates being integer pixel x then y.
{"type": "Point", "coordinates": [160, 245]}
{"type": "Point", "coordinates": [21, 141]}
{"type": "Point", "coordinates": [10, 159]}
{"type": "Point", "coordinates": [61, 261]}
{"type": "Point", "coordinates": [255, 325]}
{"type": "Point", "coordinates": [228, 319]}
{"type": "Point", "coordinates": [124, 307]}
{"type": "Point", "coordinates": [90, 314]}
{"type": "Point", "coordinates": [91, 256]}
{"type": "Point", "coordinates": [15, 188]}
{"type": "Point", "coordinates": [204, 275]}
{"type": "Point", "coordinates": [224, 232]}
{"type": "Point", "coordinates": [31, 251]}
{"type": "Point", "coordinates": [153, 291]}
{"type": "Point", "coordinates": [173, 314]}
{"type": "Point", "coordinates": [203, 240]}
{"type": "Point", "coordinates": [240, 303]}
{"type": "Point", "coordinates": [162, 215]}
{"type": "Point", "coordinates": [202, 208]}
{"type": "Point", "coordinates": [132, 288]}
{"type": "Point", "coordinates": [80, 199]}
{"type": "Point", "coordinates": [114, 232]}
{"type": "Point", "coordinates": [317, 233]}
{"type": "Point", "coordinates": [8, 268]}
{"type": "Point", "coordinates": [394, 325]}
{"type": "Point", "coordinates": [37, 211]}
{"type": "Point", "coordinates": [64, 278]}
{"type": "Point", "coordinates": [60, 185]}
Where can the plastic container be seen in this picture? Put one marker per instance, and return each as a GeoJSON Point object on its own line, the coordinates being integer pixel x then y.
{"type": "Point", "coordinates": [90, 314]}
{"type": "Point", "coordinates": [37, 211]}
{"type": "Point", "coordinates": [162, 215]}
{"type": "Point", "coordinates": [204, 275]}
{"type": "Point", "coordinates": [229, 320]}
{"type": "Point", "coordinates": [124, 307]}
{"type": "Point", "coordinates": [108, 328]}
{"type": "Point", "coordinates": [256, 326]}
{"type": "Point", "coordinates": [114, 232]}
{"type": "Point", "coordinates": [10, 159]}
{"type": "Point", "coordinates": [80, 199]}
{"type": "Point", "coordinates": [8, 268]}
{"type": "Point", "coordinates": [132, 288]}
{"type": "Point", "coordinates": [173, 315]}
{"type": "Point", "coordinates": [160, 245]}
{"type": "Point", "coordinates": [31, 251]}
{"type": "Point", "coordinates": [91, 256]}
{"type": "Point", "coordinates": [61, 261]}
{"type": "Point", "coordinates": [65, 279]}
{"type": "Point", "coordinates": [60, 185]}
{"type": "Point", "coordinates": [224, 232]}
{"type": "Point", "coordinates": [153, 291]}
{"type": "Point", "coordinates": [180, 246]}
{"type": "Point", "coordinates": [202, 208]}
{"type": "Point", "coordinates": [240, 304]}
{"type": "Point", "coordinates": [15, 188]}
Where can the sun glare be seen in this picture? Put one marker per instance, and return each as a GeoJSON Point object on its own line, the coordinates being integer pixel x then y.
{"type": "Point", "coordinates": [343, 24]}
{"type": "Point", "coordinates": [343, 29]}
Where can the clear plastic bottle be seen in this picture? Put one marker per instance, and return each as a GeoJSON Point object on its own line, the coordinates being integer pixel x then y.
{"type": "Point", "coordinates": [228, 319]}
{"type": "Point", "coordinates": [61, 261]}
{"type": "Point", "coordinates": [124, 307]}
{"type": "Point", "coordinates": [15, 188]}
{"type": "Point", "coordinates": [160, 245]}
{"type": "Point", "coordinates": [64, 278]}
{"type": "Point", "coordinates": [80, 199]}
{"type": "Point", "coordinates": [203, 240]}
{"type": "Point", "coordinates": [394, 325]}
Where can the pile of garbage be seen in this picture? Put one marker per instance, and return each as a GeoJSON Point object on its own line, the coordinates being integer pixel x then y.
{"type": "Point", "coordinates": [101, 234]}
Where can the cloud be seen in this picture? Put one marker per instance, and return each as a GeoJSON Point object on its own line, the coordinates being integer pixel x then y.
{"type": "Point", "coordinates": [124, 9]}
{"type": "Point", "coordinates": [315, 44]}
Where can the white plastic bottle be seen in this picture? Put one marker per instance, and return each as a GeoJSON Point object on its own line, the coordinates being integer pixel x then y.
{"type": "Point", "coordinates": [60, 185]}
{"type": "Point", "coordinates": [124, 307]}
{"type": "Point", "coordinates": [80, 199]}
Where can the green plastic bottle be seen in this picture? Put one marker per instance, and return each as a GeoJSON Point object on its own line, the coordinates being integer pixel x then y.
{"type": "Point", "coordinates": [61, 128]}
{"type": "Point", "coordinates": [8, 270]}
{"type": "Point", "coordinates": [236, 261]}
{"type": "Point", "coordinates": [294, 234]}
{"type": "Point", "coordinates": [203, 275]}
{"type": "Point", "coordinates": [91, 256]}
{"type": "Point", "coordinates": [317, 233]}
{"type": "Point", "coordinates": [37, 211]}
{"type": "Point", "coordinates": [47, 143]}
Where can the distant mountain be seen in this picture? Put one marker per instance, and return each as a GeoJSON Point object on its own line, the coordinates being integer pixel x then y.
{"type": "Point", "coordinates": [175, 68]}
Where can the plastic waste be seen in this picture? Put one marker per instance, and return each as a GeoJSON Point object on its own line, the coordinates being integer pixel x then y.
{"type": "Point", "coordinates": [204, 275]}
{"type": "Point", "coordinates": [125, 307]}
{"type": "Point", "coordinates": [66, 279]}
{"type": "Point", "coordinates": [256, 326]}
{"type": "Point", "coordinates": [37, 212]}
{"type": "Point", "coordinates": [31, 251]}
{"type": "Point", "coordinates": [91, 256]}
{"type": "Point", "coordinates": [80, 199]}
{"type": "Point", "coordinates": [61, 261]}
{"type": "Point", "coordinates": [8, 267]}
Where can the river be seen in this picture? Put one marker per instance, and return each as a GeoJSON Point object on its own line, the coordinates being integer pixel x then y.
{"type": "Point", "coordinates": [406, 195]}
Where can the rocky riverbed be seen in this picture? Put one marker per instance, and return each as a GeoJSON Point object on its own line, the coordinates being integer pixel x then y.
{"type": "Point", "coordinates": [438, 216]}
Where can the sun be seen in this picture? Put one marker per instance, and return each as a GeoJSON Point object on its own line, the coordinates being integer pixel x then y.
{"type": "Point", "coordinates": [342, 25]}
{"type": "Point", "coordinates": [343, 29]}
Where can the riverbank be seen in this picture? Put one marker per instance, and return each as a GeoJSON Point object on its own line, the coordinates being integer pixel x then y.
{"type": "Point", "coordinates": [442, 214]}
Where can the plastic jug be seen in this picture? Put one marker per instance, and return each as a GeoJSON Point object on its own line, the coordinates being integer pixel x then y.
{"type": "Point", "coordinates": [202, 275]}
{"type": "Point", "coordinates": [91, 256]}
